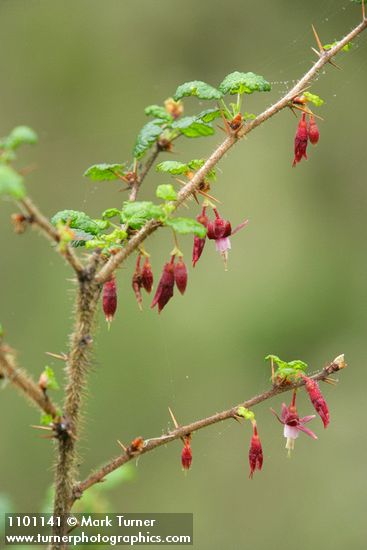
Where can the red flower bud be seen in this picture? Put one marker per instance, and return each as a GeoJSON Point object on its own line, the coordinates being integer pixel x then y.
{"type": "Point", "coordinates": [219, 228]}
{"type": "Point", "coordinates": [136, 284]}
{"type": "Point", "coordinates": [186, 455]}
{"type": "Point", "coordinates": [147, 276]}
{"type": "Point", "coordinates": [199, 243]}
{"type": "Point", "coordinates": [181, 275]}
{"type": "Point", "coordinates": [255, 456]}
{"type": "Point", "coordinates": [300, 141]}
{"type": "Point", "coordinates": [109, 299]}
{"type": "Point", "coordinates": [165, 287]}
{"type": "Point", "coordinates": [313, 131]}
{"type": "Point", "coordinates": [317, 400]}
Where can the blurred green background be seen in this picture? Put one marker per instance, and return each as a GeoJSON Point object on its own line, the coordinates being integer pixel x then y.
{"type": "Point", "coordinates": [81, 72]}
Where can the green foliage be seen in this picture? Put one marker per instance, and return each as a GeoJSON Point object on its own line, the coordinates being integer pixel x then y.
{"type": "Point", "coordinates": [192, 126]}
{"type": "Point", "coordinates": [105, 172]}
{"type": "Point", "coordinates": [172, 167]}
{"type": "Point", "coordinates": [240, 83]}
{"type": "Point", "coordinates": [79, 220]}
{"type": "Point", "coordinates": [158, 112]}
{"type": "Point", "coordinates": [313, 98]}
{"type": "Point", "coordinates": [20, 135]}
{"type": "Point", "coordinates": [198, 89]}
{"type": "Point", "coordinates": [345, 48]}
{"type": "Point", "coordinates": [147, 136]}
{"type": "Point", "coordinates": [135, 214]}
{"type": "Point", "coordinates": [46, 419]}
{"type": "Point", "coordinates": [108, 241]}
{"type": "Point", "coordinates": [287, 370]}
{"type": "Point", "coordinates": [185, 226]}
{"type": "Point", "coordinates": [245, 413]}
{"type": "Point", "coordinates": [110, 213]}
{"type": "Point", "coordinates": [209, 115]}
{"type": "Point", "coordinates": [52, 383]}
{"type": "Point", "coordinates": [166, 192]}
{"type": "Point", "coordinates": [1, 331]}
{"type": "Point", "coordinates": [11, 183]}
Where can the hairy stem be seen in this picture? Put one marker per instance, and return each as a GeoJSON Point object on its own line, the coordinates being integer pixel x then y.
{"type": "Point", "coordinates": [21, 379]}
{"type": "Point", "coordinates": [77, 368]}
{"type": "Point", "coordinates": [178, 433]}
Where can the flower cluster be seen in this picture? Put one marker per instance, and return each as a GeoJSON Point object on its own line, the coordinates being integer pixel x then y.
{"type": "Point", "coordinates": [173, 273]}
{"type": "Point", "coordinates": [305, 132]}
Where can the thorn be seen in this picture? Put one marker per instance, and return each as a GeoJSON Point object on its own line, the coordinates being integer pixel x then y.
{"type": "Point", "coordinates": [307, 111]}
{"type": "Point", "coordinates": [334, 64]}
{"type": "Point", "coordinates": [206, 195]}
{"type": "Point", "coordinates": [176, 424]}
{"type": "Point", "coordinates": [61, 356]}
{"type": "Point", "coordinates": [292, 109]}
{"type": "Point", "coordinates": [220, 128]}
{"type": "Point", "coordinates": [318, 41]}
{"type": "Point", "coordinates": [331, 381]}
{"type": "Point", "coordinates": [316, 51]}
{"type": "Point", "coordinates": [122, 446]}
{"type": "Point", "coordinates": [228, 130]}
{"type": "Point", "coordinates": [48, 428]}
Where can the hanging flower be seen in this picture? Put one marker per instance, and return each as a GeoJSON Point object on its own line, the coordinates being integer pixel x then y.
{"type": "Point", "coordinates": [220, 230]}
{"type": "Point", "coordinates": [180, 275]}
{"type": "Point", "coordinates": [186, 455]}
{"type": "Point", "coordinates": [255, 455]}
{"type": "Point", "coordinates": [165, 287]}
{"type": "Point", "coordinates": [109, 299]}
{"type": "Point", "coordinates": [317, 400]}
{"type": "Point", "coordinates": [313, 131]}
{"type": "Point", "coordinates": [293, 424]}
{"type": "Point", "coordinates": [147, 275]}
{"type": "Point", "coordinates": [198, 242]}
{"type": "Point", "coordinates": [300, 141]}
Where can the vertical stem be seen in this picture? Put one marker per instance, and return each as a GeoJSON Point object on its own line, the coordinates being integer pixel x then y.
{"type": "Point", "coordinates": [77, 368]}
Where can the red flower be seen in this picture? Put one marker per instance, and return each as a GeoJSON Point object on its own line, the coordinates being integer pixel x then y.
{"type": "Point", "coordinates": [186, 455]}
{"type": "Point", "coordinates": [293, 424]}
{"type": "Point", "coordinates": [109, 299]}
{"type": "Point", "coordinates": [301, 141]}
{"type": "Point", "coordinates": [165, 287]}
{"type": "Point", "coordinates": [255, 455]}
{"type": "Point", "coordinates": [317, 400]}
{"type": "Point", "coordinates": [180, 275]}
{"type": "Point", "coordinates": [199, 243]}
{"type": "Point", "coordinates": [147, 276]}
{"type": "Point", "coordinates": [220, 231]}
{"type": "Point", "coordinates": [313, 131]}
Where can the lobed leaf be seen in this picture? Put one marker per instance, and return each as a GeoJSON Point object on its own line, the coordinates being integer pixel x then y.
{"type": "Point", "coordinates": [193, 127]}
{"type": "Point", "coordinates": [158, 112]}
{"type": "Point", "coordinates": [79, 220]}
{"type": "Point", "coordinates": [166, 192]}
{"type": "Point", "coordinates": [11, 183]}
{"type": "Point", "coordinates": [209, 115]}
{"type": "Point", "coordinates": [147, 136]}
{"type": "Point", "coordinates": [186, 226]}
{"type": "Point", "coordinates": [197, 88]}
{"type": "Point", "coordinates": [105, 172]}
{"type": "Point", "coordinates": [313, 98]}
{"type": "Point", "coordinates": [52, 383]}
{"type": "Point", "coordinates": [240, 83]}
{"type": "Point", "coordinates": [20, 135]}
{"type": "Point", "coordinates": [135, 214]}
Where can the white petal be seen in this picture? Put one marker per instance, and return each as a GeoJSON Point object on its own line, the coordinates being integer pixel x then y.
{"type": "Point", "coordinates": [290, 432]}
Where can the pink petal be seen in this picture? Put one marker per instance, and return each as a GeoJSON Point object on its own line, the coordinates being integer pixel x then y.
{"type": "Point", "coordinates": [275, 414]}
{"type": "Point", "coordinates": [307, 431]}
{"type": "Point", "coordinates": [291, 432]}
{"type": "Point", "coordinates": [307, 418]}
{"type": "Point", "coordinates": [239, 227]}
{"type": "Point", "coordinates": [222, 245]}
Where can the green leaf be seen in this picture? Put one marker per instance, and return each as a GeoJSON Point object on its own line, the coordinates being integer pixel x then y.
{"type": "Point", "coordinates": [166, 192]}
{"type": "Point", "coordinates": [172, 167]}
{"type": "Point", "coordinates": [193, 127]}
{"type": "Point", "coordinates": [345, 48]}
{"type": "Point", "coordinates": [279, 362]}
{"type": "Point", "coordinates": [78, 220]}
{"type": "Point", "coordinates": [313, 98]}
{"type": "Point", "coordinates": [298, 365]}
{"type": "Point", "coordinates": [209, 115]}
{"type": "Point", "coordinates": [111, 213]}
{"type": "Point", "coordinates": [185, 226]}
{"type": "Point", "coordinates": [240, 83]}
{"type": "Point", "coordinates": [105, 172]}
{"type": "Point", "coordinates": [158, 112]}
{"type": "Point", "coordinates": [245, 413]}
{"type": "Point", "coordinates": [1, 330]}
{"type": "Point", "coordinates": [147, 136]}
{"type": "Point", "coordinates": [52, 383]}
{"type": "Point", "coordinates": [135, 214]}
{"type": "Point", "coordinates": [11, 183]}
{"type": "Point", "coordinates": [21, 135]}
{"type": "Point", "coordinates": [46, 419]}
{"type": "Point", "coordinates": [198, 89]}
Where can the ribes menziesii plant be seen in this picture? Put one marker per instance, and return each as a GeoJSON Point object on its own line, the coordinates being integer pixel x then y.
{"type": "Point", "coordinates": [123, 231]}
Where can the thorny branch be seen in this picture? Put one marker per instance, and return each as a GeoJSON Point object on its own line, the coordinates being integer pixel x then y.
{"type": "Point", "coordinates": [20, 379]}
{"type": "Point", "coordinates": [153, 443]}
{"type": "Point", "coordinates": [324, 58]}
